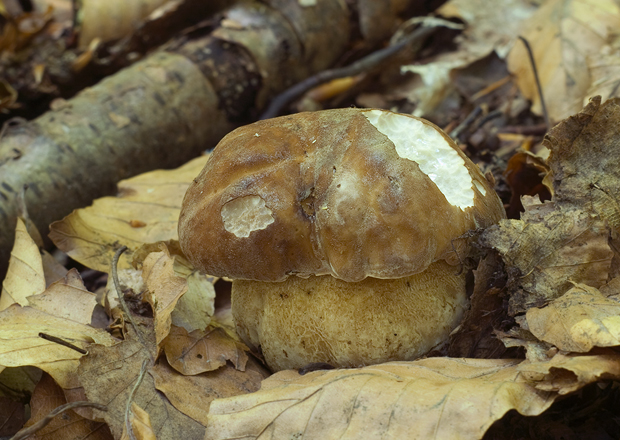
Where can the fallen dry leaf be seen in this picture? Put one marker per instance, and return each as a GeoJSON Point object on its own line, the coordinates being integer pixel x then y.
{"type": "Point", "coordinates": [604, 69]}
{"type": "Point", "coordinates": [584, 160]}
{"type": "Point", "coordinates": [48, 396]}
{"type": "Point", "coordinates": [578, 321]}
{"type": "Point", "coordinates": [52, 269]}
{"type": "Point", "coordinates": [192, 395]}
{"type": "Point", "coordinates": [12, 416]}
{"type": "Point", "coordinates": [561, 34]}
{"type": "Point", "coordinates": [488, 29]}
{"type": "Point", "coordinates": [430, 398]}
{"type": "Point", "coordinates": [140, 425]}
{"type": "Point", "coordinates": [201, 351]}
{"type": "Point", "coordinates": [25, 275]}
{"type": "Point", "coordinates": [547, 250]}
{"type": "Point", "coordinates": [67, 298]}
{"type": "Point", "coordinates": [109, 373]}
{"type": "Point", "coordinates": [92, 235]}
{"type": "Point", "coordinates": [565, 374]}
{"type": "Point", "coordinates": [164, 288]}
{"type": "Point", "coordinates": [21, 345]}
{"type": "Point", "coordinates": [196, 307]}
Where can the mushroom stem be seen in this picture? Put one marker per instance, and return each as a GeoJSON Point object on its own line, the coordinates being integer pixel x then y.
{"type": "Point", "coordinates": [324, 319]}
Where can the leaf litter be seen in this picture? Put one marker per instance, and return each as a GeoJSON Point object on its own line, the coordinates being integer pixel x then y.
{"type": "Point", "coordinates": [556, 265]}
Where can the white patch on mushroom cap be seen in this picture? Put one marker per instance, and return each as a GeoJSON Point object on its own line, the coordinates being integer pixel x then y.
{"type": "Point", "coordinates": [244, 215]}
{"type": "Point", "coordinates": [424, 145]}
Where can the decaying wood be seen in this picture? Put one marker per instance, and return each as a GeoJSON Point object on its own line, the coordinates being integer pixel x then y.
{"type": "Point", "coordinates": [169, 107]}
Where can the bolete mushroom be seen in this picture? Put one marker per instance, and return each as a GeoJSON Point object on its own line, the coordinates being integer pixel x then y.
{"type": "Point", "coordinates": [341, 231]}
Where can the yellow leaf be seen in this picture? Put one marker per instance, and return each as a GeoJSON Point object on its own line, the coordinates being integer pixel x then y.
{"type": "Point", "coordinates": [562, 33]}
{"type": "Point", "coordinates": [92, 235]}
{"type": "Point", "coordinates": [67, 298]}
{"type": "Point", "coordinates": [164, 290]}
{"type": "Point", "coordinates": [431, 398]}
{"type": "Point", "coordinates": [577, 321]}
{"type": "Point", "coordinates": [21, 345]}
{"type": "Point", "coordinates": [567, 373]}
{"type": "Point", "coordinates": [25, 275]}
{"type": "Point", "coordinates": [196, 307]}
{"type": "Point", "coordinates": [140, 425]}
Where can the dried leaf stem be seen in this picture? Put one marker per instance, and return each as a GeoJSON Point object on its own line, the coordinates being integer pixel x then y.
{"type": "Point", "coordinates": [121, 300]}
{"type": "Point", "coordinates": [130, 433]}
{"type": "Point", "coordinates": [365, 64]}
{"type": "Point", "coordinates": [538, 86]}
{"type": "Point", "coordinates": [27, 432]}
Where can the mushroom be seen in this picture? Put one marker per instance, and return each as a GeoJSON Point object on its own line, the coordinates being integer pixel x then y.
{"type": "Point", "coordinates": [342, 231]}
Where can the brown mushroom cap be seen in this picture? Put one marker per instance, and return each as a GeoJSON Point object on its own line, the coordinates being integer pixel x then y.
{"type": "Point", "coordinates": [351, 193]}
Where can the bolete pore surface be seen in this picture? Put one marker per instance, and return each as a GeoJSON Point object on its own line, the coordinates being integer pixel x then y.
{"type": "Point", "coordinates": [341, 230]}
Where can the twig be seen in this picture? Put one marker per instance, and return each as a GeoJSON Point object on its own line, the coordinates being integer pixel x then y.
{"type": "Point", "coordinates": [454, 134]}
{"type": "Point", "coordinates": [62, 342]}
{"type": "Point", "coordinates": [27, 432]}
{"type": "Point", "coordinates": [363, 65]}
{"type": "Point", "coordinates": [130, 433]}
{"type": "Point", "coordinates": [121, 299]}
{"type": "Point", "coordinates": [538, 86]}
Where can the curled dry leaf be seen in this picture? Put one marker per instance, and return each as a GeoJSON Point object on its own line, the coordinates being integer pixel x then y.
{"type": "Point", "coordinates": [431, 398]}
{"type": "Point", "coordinates": [92, 235]}
{"type": "Point", "coordinates": [562, 33]}
{"type": "Point", "coordinates": [192, 395]}
{"type": "Point", "coordinates": [524, 174]}
{"type": "Point", "coordinates": [67, 298]}
{"type": "Point", "coordinates": [565, 374]}
{"type": "Point", "coordinates": [25, 275]}
{"type": "Point", "coordinates": [164, 290]}
{"type": "Point", "coordinates": [201, 351]}
{"type": "Point", "coordinates": [578, 321]}
{"type": "Point", "coordinates": [108, 374]}
{"type": "Point", "coordinates": [21, 345]}
{"type": "Point", "coordinates": [196, 307]}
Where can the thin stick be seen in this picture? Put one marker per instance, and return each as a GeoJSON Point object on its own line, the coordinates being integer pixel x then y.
{"type": "Point", "coordinates": [62, 342]}
{"type": "Point", "coordinates": [121, 299]}
{"type": "Point", "coordinates": [130, 433]}
{"type": "Point", "coordinates": [454, 134]}
{"type": "Point", "coordinates": [363, 65]}
{"type": "Point", "coordinates": [538, 86]}
{"type": "Point", "coordinates": [27, 432]}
